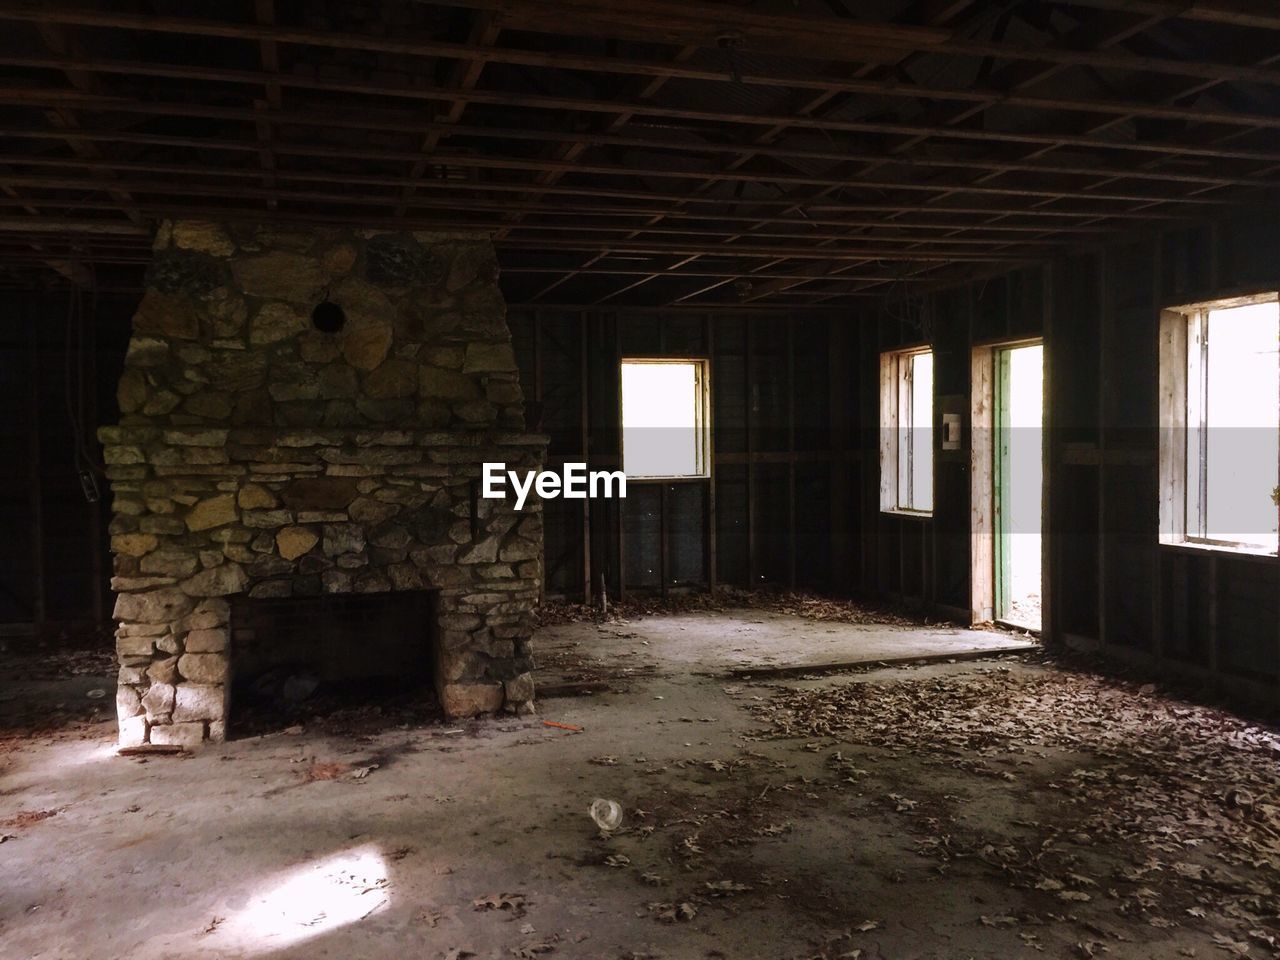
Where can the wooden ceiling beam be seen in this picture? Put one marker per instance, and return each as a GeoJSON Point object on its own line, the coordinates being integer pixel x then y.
{"type": "Point", "coordinates": [354, 119]}
{"type": "Point", "coordinates": [697, 149]}
{"type": "Point", "coordinates": [767, 251]}
{"type": "Point", "coordinates": [623, 65]}
{"type": "Point", "coordinates": [580, 215]}
{"type": "Point", "coordinates": [1247, 14]}
{"type": "Point", "coordinates": [822, 38]}
{"type": "Point", "coordinates": [602, 170]}
{"type": "Point", "coordinates": [447, 187]}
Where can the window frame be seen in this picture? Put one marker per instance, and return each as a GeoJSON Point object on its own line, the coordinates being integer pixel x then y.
{"type": "Point", "coordinates": [894, 381]}
{"type": "Point", "coordinates": [1183, 422]}
{"type": "Point", "coordinates": [702, 416]}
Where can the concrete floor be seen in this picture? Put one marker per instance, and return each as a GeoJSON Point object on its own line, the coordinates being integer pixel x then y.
{"type": "Point", "coordinates": [753, 641]}
{"type": "Point", "coordinates": [474, 839]}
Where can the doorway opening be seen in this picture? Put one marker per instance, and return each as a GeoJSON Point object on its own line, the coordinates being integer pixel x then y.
{"type": "Point", "coordinates": [1008, 484]}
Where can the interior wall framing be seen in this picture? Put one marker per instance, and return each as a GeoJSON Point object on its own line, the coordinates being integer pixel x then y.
{"type": "Point", "coordinates": [1110, 585]}
{"type": "Point", "coordinates": [774, 511]}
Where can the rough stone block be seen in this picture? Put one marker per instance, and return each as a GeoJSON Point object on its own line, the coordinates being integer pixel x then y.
{"type": "Point", "coordinates": [158, 701]}
{"type": "Point", "coordinates": [217, 581]}
{"type": "Point", "coordinates": [267, 519]}
{"type": "Point", "coordinates": [164, 671]}
{"type": "Point", "coordinates": [489, 357]}
{"type": "Point", "coordinates": [154, 606]}
{"type": "Point", "coordinates": [254, 496]}
{"type": "Point", "coordinates": [213, 512]}
{"type": "Point", "coordinates": [208, 640]}
{"type": "Point", "coordinates": [293, 542]}
{"type": "Point", "coordinates": [133, 731]}
{"type": "Point", "coordinates": [484, 551]}
{"type": "Point", "coordinates": [203, 667]}
{"type": "Point", "coordinates": [178, 734]}
{"type": "Point", "coordinates": [519, 689]}
{"type": "Point", "coordinates": [170, 562]}
{"type": "Point", "coordinates": [280, 275]}
{"type": "Point", "coordinates": [134, 544]}
{"type": "Point", "coordinates": [471, 699]}
{"type": "Point", "coordinates": [199, 701]}
{"type": "Point", "coordinates": [340, 538]}
{"type": "Point", "coordinates": [128, 703]}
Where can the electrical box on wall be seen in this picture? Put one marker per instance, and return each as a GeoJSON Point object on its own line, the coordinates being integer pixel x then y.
{"type": "Point", "coordinates": [951, 408]}
{"type": "Point", "coordinates": [951, 431]}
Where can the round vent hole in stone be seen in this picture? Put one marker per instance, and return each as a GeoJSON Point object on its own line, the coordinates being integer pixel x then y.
{"type": "Point", "coordinates": [328, 317]}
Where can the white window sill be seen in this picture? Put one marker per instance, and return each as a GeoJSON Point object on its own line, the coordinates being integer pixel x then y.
{"type": "Point", "coordinates": [904, 512]}
{"type": "Point", "coordinates": [1193, 546]}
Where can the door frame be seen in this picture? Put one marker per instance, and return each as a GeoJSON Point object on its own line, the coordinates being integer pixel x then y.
{"type": "Point", "coordinates": [985, 549]}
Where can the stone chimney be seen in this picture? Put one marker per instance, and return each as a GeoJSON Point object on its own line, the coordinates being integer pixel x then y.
{"type": "Point", "coordinates": [305, 412]}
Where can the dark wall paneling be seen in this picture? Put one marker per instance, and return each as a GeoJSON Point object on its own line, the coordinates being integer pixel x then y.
{"type": "Point", "coordinates": [1248, 604]}
{"type": "Point", "coordinates": [811, 410]}
{"type": "Point", "coordinates": [773, 534]}
{"type": "Point", "coordinates": [54, 571]}
{"type": "Point", "coordinates": [21, 592]}
{"type": "Point", "coordinates": [770, 384]}
{"type": "Point", "coordinates": [1075, 580]}
{"type": "Point", "coordinates": [731, 526]}
{"type": "Point", "coordinates": [729, 395]}
{"type": "Point", "coordinates": [1131, 530]}
{"type": "Point", "coordinates": [782, 464]}
{"type": "Point", "coordinates": [561, 523]}
{"type": "Point", "coordinates": [643, 534]}
{"type": "Point", "coordinates": [685, 516]}
{"type": "Point", "coordinates": [813, 526]}
{"type": "Point", "coordinates": [1185, 607]}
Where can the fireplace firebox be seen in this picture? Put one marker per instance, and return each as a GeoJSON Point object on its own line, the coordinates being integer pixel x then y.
{"type": "Point", "coordinates": [289, 652]}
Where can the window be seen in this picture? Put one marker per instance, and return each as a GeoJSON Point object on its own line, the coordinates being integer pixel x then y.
{"type": "Point", "coordinates": [1220, 424]}
{"type": "Point", "coordinates": [906, 431]}
{"type": "Point", "coordinates": [664, 418]}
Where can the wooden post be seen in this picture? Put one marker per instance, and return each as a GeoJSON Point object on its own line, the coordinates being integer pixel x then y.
{"type": "Point", "coordinates": [710, 328]}
{"type": "Point", "coordinates": [584, 392]}
{"type": "Point", "coordinates": [1048, 524]}
{"type": "Point", "coordinates": [791, 458]}
{"type": "Point", "coordinates": [749, 381]}
{"type": "Point", "coordinates": [34, 487]}
{"type": "Point", "coordinates": [981, 485]}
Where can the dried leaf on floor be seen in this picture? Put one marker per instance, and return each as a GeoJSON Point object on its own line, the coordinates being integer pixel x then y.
{"type": "Point", "coordinates": [515, 902]}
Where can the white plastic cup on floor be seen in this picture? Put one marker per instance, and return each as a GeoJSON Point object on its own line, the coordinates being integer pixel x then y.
{"type": "Point", "coordinates": [606, 813]}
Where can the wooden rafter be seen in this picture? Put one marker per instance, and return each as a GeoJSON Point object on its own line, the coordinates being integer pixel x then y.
{"type": "Point", "coordinates": [608, 151]}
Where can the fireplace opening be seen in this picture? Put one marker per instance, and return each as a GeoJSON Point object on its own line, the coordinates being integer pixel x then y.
{"type": "Point", "coordinates": [355, 660]}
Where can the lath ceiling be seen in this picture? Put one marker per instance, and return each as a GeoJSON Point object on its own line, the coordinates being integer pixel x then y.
{"type": "Point", "coordinates": [775, 153]}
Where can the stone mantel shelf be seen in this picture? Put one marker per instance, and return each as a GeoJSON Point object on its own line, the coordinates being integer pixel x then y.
{"type": "Point", "coordinates": [203, 436]}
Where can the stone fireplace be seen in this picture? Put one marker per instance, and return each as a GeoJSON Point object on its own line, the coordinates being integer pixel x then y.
{"type": "Point", "coordinates": [304, 413]}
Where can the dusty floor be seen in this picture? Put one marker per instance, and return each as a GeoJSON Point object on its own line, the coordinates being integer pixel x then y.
{"type": "Point", "coordinates": [986, 809]}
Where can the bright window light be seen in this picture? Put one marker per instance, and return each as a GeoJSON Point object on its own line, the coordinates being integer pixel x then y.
{"type": "Point", "coordinates": [1220, 424]}
{"type": "Point", "coordinates": [1240, 446]}
{"type": "Point", "coordinates": [664, 418]}
{"type": "Point", "coordinates": [307, 901]}
{"type": "Point", "coordinates": [906, 422]}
